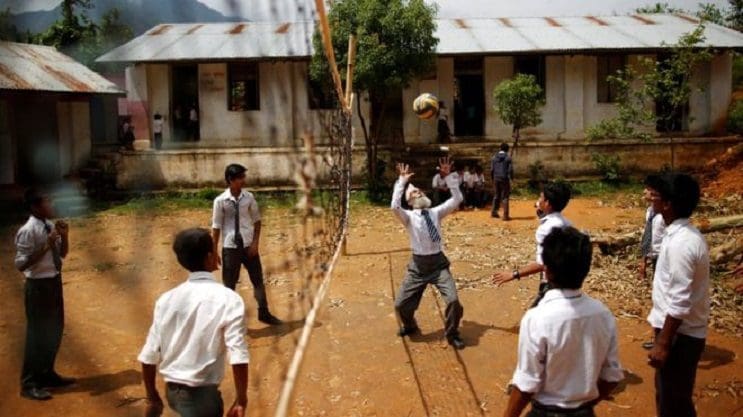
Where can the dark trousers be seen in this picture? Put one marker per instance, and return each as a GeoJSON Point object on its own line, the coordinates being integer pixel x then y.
{"type": "Point", "coordinates": [674, 382]}
{"type": "Point", "coordinates": [44, 325]}
{"type": "Point", "coordinates": [500, 195]}
{"type": "Point", "coordinates": [188, 401]}
{"type": "Point", "coordinates": [424, 270]}
{"type": "Point", "coordinates": [232, 259]}
{"type": "Point", "coordinates": [439, 196]}
{"type": "Point", "coordinates": [541, 410]}
{"type": "Point", "coordinates": [158, 140]}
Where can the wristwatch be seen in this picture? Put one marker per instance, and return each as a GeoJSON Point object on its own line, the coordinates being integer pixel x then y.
{"type": "Point", "coordinates": [516, 274]}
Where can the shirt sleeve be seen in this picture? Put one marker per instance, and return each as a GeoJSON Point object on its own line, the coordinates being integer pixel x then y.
{"type": "Point", "coordinates": [396, 204]}
{"type": "Point", "coordinates": [529, 373]}
{"type": "Point", "coordinates": [24, 245]}
{"type": "Point", "coordinates": [150, 353]}
{"type": "Point", "coordinates": [611, 369]}
{"type": "Point", "coordinates": [453, 202]}
{"type": "Point", "coordinates": [217, 214]}
{"type": "Point", "coordinates": [234, 333]}
{"type": "Point", "coordinates": [682, 271]}
{"type": "Point", "coordinates": [542, 232]}
{"type": "Point", "coordinates": [255, 212]}
{"type": "Point", "coordinates": [659, 230]}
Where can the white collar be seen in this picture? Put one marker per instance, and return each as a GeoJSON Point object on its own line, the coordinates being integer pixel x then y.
{"type": "Point", "coordinates": [677, 225]}
{"type": "Point", "coordinates": [201, 276]}
{"type": "Point", "coordinates": [549, 216]}
{"type": "Point", "coordinates": [232, 197]}
{"type": "Point", "coordinates": [557, 293]}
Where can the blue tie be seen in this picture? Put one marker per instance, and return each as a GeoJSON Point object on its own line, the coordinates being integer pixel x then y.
{"type": "Point", "coordinates": [432, 232]}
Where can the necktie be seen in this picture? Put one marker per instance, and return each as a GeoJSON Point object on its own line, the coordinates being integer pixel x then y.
{"type": "Point", "coordinates": [237, 237]}
{"type": "Point", "coordinates": [647, 236]}
{"type": "Point", "coordinates": [432, 232]}
{"type": "Point", "coordinates": [55, 249]}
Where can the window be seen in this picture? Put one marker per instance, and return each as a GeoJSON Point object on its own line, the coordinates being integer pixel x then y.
{"type": "Point", "coordinates": [533, 65]}
{"type": "Point", "coordinates": [607, 65]}
{"type": "Point", "coordinates": [244, 88]}
{"type": "Point", "coordinates": [321, 95]}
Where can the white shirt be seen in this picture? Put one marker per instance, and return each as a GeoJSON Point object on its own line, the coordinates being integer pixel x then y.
{"type": "Point", "coordinates": [223, 217]}
{"type": "Point", "coordinates": [658, 231]}
{"type": "Point", "coordinates": [30, 238]}
{"type": "Point", "coordinates": [157, 126]}
{"type": "Point", "coordinates": [420, 240]}
{"type": "Point", "coordinates": [546, 224]}
{"type": "Point", "coordinates": [193, 326]}
{"type": "Point", "coordinates": [193, 115]}
{"type": "Point", "coordinates": [681, 281]}
{"type": "Point", "coordinates": [469, 179]}
{"type": "Point", "coordinates": [479, 180]}
{"type": "Point", "coordinates": [439, 182]}
{"type": "Point", "coordinates": [566, 344]}
{"type": "Point", "coordinates": [443, 113]}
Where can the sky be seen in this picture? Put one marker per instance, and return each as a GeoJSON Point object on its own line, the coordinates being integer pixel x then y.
{"type": "Point", "coordinates": [287, 9]}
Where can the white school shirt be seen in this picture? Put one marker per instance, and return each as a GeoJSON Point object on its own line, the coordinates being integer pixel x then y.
{"type": "Point", "coordinates": [546, 224]}
{"type": "Point", "coordinates": [658, 231]}
{"type": "Point", "coordinates": [469, 179]}
{"type": "Point", "coordinates": [194, 325]}
{"type": "Point", "coordinates": [157, 126]}
{"type": "Point", "coordinates": [566, 344]}
{"type": "Point", "coordinates": [223, 217]}
{"type": "Point", "coordinates": [681, 281]}
{"type": "Point", "coordinates": [439, 182]}
{"type": "Point", "coordinates": [420, 240]}
{"type": "Point", "coordinates": [30, 238]}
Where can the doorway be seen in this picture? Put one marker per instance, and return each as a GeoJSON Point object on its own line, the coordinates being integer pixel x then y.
{"type": "Point", "coordinates": [185, 98]}
{"type": "Point", "coordinates": [37, 141]}
{"type": "Point", "coordinates": [469, 97]}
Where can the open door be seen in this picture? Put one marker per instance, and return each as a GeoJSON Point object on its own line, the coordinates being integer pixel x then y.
{"type": "Point", "coordinates": [38, 142]}
{"type": "Point", "coordinates": [469, 97]}
{"type": "Point", "coordinates": [185, 95]}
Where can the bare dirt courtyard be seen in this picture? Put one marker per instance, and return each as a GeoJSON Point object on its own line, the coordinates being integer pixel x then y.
{"type": "Point", "coordinates": [355, 366]}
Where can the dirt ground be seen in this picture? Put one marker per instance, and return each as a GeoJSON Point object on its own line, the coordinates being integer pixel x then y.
{"type": "Point", "coordinates": [355, 365]}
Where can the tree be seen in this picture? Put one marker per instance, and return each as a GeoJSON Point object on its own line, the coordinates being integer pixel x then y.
{"type": "Point", "coordinates": [395, 45]}
{"type": "Point", "coordinates": [518, 102]}
{"type": "Point", "coordinates": [666, 82]}
{"type": "Point", "coordinates": [111, 33]}
{"type": "Point", "coordinates": [73, 35]}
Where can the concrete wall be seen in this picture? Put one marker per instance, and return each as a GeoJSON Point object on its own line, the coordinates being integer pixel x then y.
{"type": "Point", "coordinates": [720, 90]}
{"type": "Point", "coordinates": [158, 92]}
{"type": "Point", "coordinates": [73, 124]}
{"type": "Point", "coordinates": [201, 167]}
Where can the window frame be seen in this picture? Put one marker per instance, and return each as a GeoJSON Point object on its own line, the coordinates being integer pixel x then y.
{"type": "Point", "coordinates": [249, 73]}
{"type": "Point", "coordinates": [606, 93]}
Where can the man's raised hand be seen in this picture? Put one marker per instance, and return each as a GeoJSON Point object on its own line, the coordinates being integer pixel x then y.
{"type": "Point", "coordinates": [404, 171]}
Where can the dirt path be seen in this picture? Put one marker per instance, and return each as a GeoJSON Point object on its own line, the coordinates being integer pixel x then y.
{"type": "Point", "coordinates": [355, 365]}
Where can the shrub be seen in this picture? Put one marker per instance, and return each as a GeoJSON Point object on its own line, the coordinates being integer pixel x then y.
{"type": "Point", "coordinates": [537, 176]}
{"type": "Point", "coordinates": [735, 117]}
{"type": "Point", "coordinates": [608, 166]}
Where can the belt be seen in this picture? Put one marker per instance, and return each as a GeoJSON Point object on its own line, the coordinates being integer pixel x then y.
{"type": "Point", "coordinates": [549, 410]}
{"type": "Point", "coordinates": [176, 385]}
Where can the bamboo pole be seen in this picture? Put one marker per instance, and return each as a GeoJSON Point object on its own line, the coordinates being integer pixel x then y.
{"type": "Point", "coordinates": [330, 53]}
{"type": "Point", "coordinates": [349, 69]}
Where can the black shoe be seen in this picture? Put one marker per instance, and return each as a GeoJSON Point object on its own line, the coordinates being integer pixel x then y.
{"type": "Point", "coordinates": [456, 342]}
{"type": "Point", "coordinates": [38, 394]}
{"type": "Point", "coordinates": [406, 331]}
{"type": "Point", "coordinates": [648, 345]}
{"type": "Point", "coordinates": [57, 381]}
{"type": "Point", "coordinates": [494, 215]}
{"type": "Point", "coordinates": [265, 316]}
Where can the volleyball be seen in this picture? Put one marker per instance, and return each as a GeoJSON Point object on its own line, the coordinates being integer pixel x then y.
{"type": "Point", "coordinates": [426, 106]}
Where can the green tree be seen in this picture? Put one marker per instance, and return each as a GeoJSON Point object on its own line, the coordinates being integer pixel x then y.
{"type": "Point", "coordinates": [395, 45]}
{"type": "Point", "coordinates": [658, 8]}
{"type": "Point", "coordinates": [110, 34]}
{"type": "Point", "coordinates": [518, 102]}
{"type": "Point", "coordinates": [664, 81]}
{"type": "Point", "coordinates": [74, 34]}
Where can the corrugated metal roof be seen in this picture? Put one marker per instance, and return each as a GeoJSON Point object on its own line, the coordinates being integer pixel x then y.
{"type": "Point", "coordinates": [253, 40]}
{"type": "Point", "coordinates": [43, 68]}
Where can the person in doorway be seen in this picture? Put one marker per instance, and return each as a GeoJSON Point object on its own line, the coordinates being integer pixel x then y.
{"type": "Point", "coordinates": [157, 130]}
{"type": "Point", "coordinates": [193, 123]}
{"type": "Point", "coordinates": [444, 134]}
{"type": "Point", "coordinates": [236, 220]}
{"type": "Point", "coordinates": [501, 172]}
{"type": "Point", "coordinates": [40, 247]}
{"type": "Point", "coordinates": [568, 359]}
{"type": "Point", "coordinates": [552, 200]}
{"type": "Point", "coordinates": [428, 265]}
{"type": "Point", "coordinates": [194, 326]}
{"type": "Point", "coordinates": [681, 299]}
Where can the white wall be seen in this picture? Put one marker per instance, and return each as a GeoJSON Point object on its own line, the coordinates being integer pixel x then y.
{"type": "Point", "coordinates": [73, 124]}
{"type": "Point", "coordinates": [158, 91]}
{"type": "Point", "coordinates": [496, 70]}
{"type": "Point", "coordinates": [720, 89]}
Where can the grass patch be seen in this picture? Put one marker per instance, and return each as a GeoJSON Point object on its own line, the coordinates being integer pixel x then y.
{"type": "Point", "coordinates": [591, 188]}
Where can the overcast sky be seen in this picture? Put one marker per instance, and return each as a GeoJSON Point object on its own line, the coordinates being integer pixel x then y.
{"type": "Point", "coordinates": [287, 9]}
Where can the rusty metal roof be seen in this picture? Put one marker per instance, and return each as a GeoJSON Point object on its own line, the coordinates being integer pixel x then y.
{"type": "Point", "coordinates": [43, 68]}
{"type": "Point", "coordinates": [255, 40]}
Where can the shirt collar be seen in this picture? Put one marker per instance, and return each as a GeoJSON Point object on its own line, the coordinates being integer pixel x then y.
{"type": "Point", "coordinates": [232, 197]}
{"type": "Point", "coordinates": [201, 276]}
{"type": "Point", "coordinates": [557, 293]}
{"type": "Point", "coordinates": [43, 222]}
{"type": "Point", "coordinates": [677, 225]}
{"type": "Point", "coordinates": [554, 214]}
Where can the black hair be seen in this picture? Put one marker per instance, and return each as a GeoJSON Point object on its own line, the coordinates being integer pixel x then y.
{"type": "Point", "coordinates": [566, 253]}
{"type": "Point", "coordinates": [233, 171]}
{"type": "Point", "coordinates": [32, 197]}
{"type": "Point", "coordinates": [191, 247]}
{"type": "Point", "coordinates": [558, 194]}
{"type": "Point", "coordinates": [653, 181]}
{"type": "Point", "coordinates": [681, 190]}
{"type": "Point", "coordinates": [504, 147]}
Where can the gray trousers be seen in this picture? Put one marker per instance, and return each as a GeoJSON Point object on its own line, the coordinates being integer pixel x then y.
{"type": "Point", "coordinates": [188, 401]}
{"type": "Point", "coordinates": [424, 270]}
{"type": "Point", "coordinates": [501, 193]}
{"type": "Point", "coordinates": [44, 326]}
{"type": "Point", "coordinates": [232, 260]}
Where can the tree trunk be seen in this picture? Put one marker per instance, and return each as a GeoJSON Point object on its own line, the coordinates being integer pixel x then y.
{"type": "Point", "coordinates": [609, 244]}
{"type": "Point", "coordinates": [516, 136]}
{"type": "Point", "coordinates": [726, 251]}
{"type": "Point", "coordinates": [367, 138]}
